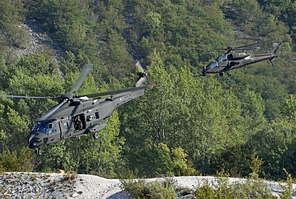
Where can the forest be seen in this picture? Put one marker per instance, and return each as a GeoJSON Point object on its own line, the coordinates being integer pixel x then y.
{"type": "Point", "coordinates": [187, 124]}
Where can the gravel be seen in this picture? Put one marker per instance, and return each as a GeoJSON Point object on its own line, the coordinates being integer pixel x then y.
{"type": "Point", "coordinates": [17, 185]}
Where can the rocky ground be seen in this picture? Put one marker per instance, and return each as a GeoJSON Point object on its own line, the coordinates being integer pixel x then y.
{"type": "Point", "coordinates": [16, 185]}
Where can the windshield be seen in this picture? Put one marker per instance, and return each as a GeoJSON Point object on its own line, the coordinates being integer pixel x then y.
{"type": "Point", "coordinates": [45, 127]}
{"type": "Point", "coordinates": [213, 65]}
{"type": "Point", "coordinates": [222, 57]}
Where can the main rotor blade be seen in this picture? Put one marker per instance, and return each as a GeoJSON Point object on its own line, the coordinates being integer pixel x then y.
{"type": "Point", "coordinates": [25, 96]}
{"type": "Point", "coordinates": [245, 46]}
{"type": "Point", "coordinates": [52, 110]}
{"type": "Point", "coordinates": [85, 71]}
{"type": "Point", "coordinates": [92, 95]}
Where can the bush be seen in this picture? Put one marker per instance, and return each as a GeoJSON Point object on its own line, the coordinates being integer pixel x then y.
{"type": "Point", "coordinates": [147, 190]}
{"type": "Point", "coordinates": [21, 161]}
{"type": "Point", "coordinates": [70, 177]}
{"type": "Point", "coordinates": [250, 189]}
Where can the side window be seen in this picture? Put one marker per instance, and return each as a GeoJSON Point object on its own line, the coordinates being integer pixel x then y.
{"type": "Point", "coordinates": [66, 125]}
{"type": "Point", "coordinates": [97, 115]}
{"type": "Point", "coordinates": [51, 128]}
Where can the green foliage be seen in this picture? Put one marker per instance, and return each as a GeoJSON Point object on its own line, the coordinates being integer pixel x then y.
{"type": "Point", "coordinates": [250, 19]}
{"type": "Point", "coordinates": [222, 190]}
{"type": "Point", "coordinates": [283, 10]}
{"type": "Point", "coordinates": [256, 163]}
{"type": "Point", "coordinates": [21, 161]}
{"type": "Point", "coordinates": [11, 16]}
{"type": "Point", "coordinates": [288, 189]}
{"type": "Point", "coordinates": [195, 114]}
{"type": "Point", "coordinates": [113, 47]}
{"type": "Point", "coordinates": [144, 190]}
{"type": "Point", "coordinates": [252, 189]}
{"type": "Point", "coordinates": [69, 22]}
{"type": "Point", "coordinates": [289, 108]}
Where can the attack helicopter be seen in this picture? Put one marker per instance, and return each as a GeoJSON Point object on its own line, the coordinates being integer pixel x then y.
{"type": "Point", "coordinates": [74, 116]}
{"type": "Point", "coordinates": [233, 60]}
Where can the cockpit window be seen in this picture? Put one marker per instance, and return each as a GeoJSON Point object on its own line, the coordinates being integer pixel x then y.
{"type": "Point", "coordinates": [51, 128]}
{"type": "Point", "coordinates": [45, 127]}
{"type": "Point", "coordinates": [213, 65]}
{"type": "Point", "coordinates": [222, 57]}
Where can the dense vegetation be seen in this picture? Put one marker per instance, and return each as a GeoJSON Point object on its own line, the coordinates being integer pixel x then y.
{"type": "Point", "coordinates": [187, 124]}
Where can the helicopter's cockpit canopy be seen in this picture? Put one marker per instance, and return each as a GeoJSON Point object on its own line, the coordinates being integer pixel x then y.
{"type": "Point", "coordinates": [223, 57]}
{"type": "Point", "coordinates": [47, 127]}
{"type": "Point", "coordinates": [213, 65]}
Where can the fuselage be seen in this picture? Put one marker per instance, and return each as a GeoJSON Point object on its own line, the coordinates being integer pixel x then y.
{"type": "Point", "coordinates": [230, 61]}
{"type": "Point", "coordinates": [77, 117]}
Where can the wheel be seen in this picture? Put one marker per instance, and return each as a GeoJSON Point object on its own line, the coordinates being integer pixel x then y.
{"type": "Point", "coordinates": [220, 74]}
{"type": "Point", "coordinates": [96, 136]}
{"type": "Point", "coordinates": [37, 151]}
{"type": "Point", "coordinates": [229, 75]}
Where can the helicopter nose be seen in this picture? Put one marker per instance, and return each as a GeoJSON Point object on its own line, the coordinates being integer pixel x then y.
{"type": "Point", "coordinates": [30, 138]}
{"type": "Point", "coordinates": [33, 140]}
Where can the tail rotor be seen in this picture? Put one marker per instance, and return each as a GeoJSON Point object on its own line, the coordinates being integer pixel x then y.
{"type": "Point", "coordinates": [143, 76]}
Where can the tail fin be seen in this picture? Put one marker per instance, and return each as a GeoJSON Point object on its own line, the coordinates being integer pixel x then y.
{"type": "Point", "coordinates": [276, 46]}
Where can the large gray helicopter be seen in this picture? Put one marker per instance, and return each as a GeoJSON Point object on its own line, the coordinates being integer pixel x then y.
{"type": "Point", "coordinates": [74, 115]}
{"type": "Point", "coordinates": [232, 60]}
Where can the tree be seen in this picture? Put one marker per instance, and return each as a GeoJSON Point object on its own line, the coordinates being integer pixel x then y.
{"type": "Point", "coordinates": [70, 23]}
{"type": "Point", "coordinates": [185, 112]}
{"type": "Point", "coordinates": [17, 162]}
{"type": "Point", "coordinates": [11, 16]}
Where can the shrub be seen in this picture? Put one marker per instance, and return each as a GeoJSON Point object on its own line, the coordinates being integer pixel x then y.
{"type": "Point", "coordinates": [70, 177]}
{"type": "Point", "coordinates": [223, 190]}
{"type": "Point", "coordinates": [147, 190]}
{"type": "Point", "coordinates": [252, 189]}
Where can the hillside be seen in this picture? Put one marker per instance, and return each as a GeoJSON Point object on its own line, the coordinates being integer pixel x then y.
{"type": "Point", "coordinates": [53, 185]}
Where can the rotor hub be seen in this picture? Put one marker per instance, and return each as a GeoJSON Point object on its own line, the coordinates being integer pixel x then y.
{"type": "Point", "coordinates": [66, 96]}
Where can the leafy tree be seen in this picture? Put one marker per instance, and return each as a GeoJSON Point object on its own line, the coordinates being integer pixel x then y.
{"type": "Point", "coordinates": [188, 113]}
{"type": "Point", "coordinates": [272, 145]}
{"type": "Point", "coordinates": [33, 75]}
{"type": "Point", "coordinates": [112, 45]}
{"type": "Point", "coordinates": [69, 22]}
{"type": "Point", "coordinates": [283, 10]}
{"type": "Point", "coordinates": [21, 161]}
{"type": "Point", "coordinates": [12, 13]}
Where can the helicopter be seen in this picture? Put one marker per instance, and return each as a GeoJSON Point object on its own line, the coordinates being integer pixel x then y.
{"type": "Point", "coordinates": [75, 116]}
{"type": "Point", "coordinates": [233, 60]}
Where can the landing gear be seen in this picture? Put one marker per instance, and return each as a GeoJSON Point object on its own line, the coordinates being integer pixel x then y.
{"type": "Point", "coordinates": [96, 136]}
{"type": "Point", "coordinates": [229, 75]}
{"type": "Point", "coordinates": [37, 151]}
{"type": "Point", "coordinates": [220, 74]}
